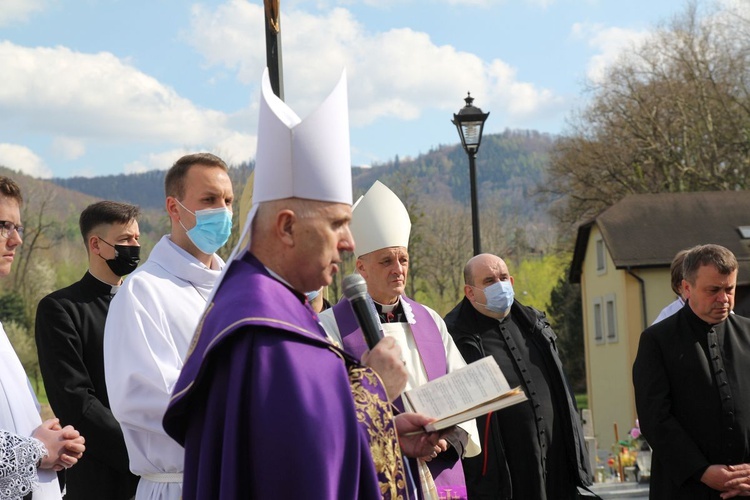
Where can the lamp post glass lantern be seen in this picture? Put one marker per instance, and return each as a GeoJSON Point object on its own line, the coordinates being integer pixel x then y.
{"type": "Point", "coordinates": [470, 123]}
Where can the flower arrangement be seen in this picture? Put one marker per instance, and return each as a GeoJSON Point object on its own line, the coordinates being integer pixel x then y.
{"type": "Point", "coordinates": [625, 453]}
{"type": "Point", "coordinates": [635, 440]}
{"type": "Point", "coordinates": [627, 458]}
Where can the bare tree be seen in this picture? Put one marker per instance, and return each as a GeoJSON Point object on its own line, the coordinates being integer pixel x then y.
{"type": "Point", "coordinates": [407, 188]}
{"type": "Point", "coordinates": [40, 233]}
{"type": "Point", "coordinates": [671, 115]}
{"type": "Point", "coordinates": [445, 248]}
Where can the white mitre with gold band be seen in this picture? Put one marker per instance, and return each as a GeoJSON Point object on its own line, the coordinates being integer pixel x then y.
{"type": "Point", "coordinates": [379, 220]}
{"type": "Point", "coordinates": [297, 158]}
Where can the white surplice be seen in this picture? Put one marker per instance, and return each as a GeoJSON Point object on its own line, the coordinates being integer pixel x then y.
{"type": "Point", "coordinates": [149, 327]}
{"type": "Point", "coordinates": [19, 414]}
{"type": "Point", "coordinates": [670, 309]}
{"type": "Point", "coordinates": [402, 333]}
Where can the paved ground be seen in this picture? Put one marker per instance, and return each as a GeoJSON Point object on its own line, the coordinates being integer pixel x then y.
{"type": "Point", "coordinates": [631, 490]}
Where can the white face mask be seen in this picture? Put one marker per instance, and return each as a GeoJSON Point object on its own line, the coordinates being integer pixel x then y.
{"type": "Point", "coordinates": [499, 296]}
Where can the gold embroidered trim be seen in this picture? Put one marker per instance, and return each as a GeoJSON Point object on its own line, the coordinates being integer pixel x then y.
{"type": "Point", "coordinates": [376, 414]}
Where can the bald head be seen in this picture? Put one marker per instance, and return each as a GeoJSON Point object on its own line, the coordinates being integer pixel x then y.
{"type": "Point", "coordinates": [480, 272]}
{"type": "Point", "coordinates": [302, 240]}
{"type": "Point", "coordinates": [482, 266]}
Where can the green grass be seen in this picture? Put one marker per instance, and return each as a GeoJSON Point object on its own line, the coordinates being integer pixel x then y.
{"type": "Point", "coordinates": [582, 400]}
{"type": "Point", "coordinates": [41, 395]}
{"type": "Point", "coordinates": [38, 386]}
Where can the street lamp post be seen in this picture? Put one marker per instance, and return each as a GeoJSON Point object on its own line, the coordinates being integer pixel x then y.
{"type": "Point", "coordinates": [470, 122]}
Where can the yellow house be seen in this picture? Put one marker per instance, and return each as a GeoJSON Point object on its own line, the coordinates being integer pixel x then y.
{"type": "Point", "coordinates": [622, 260]}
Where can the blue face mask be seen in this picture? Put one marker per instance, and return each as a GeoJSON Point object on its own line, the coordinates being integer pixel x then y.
{"type": "Point", "coordinates": [499, 296]}
{"type": "Point", "coordinates": [312, 295]}
{"type": "Point", "coordinates": [212, 228]}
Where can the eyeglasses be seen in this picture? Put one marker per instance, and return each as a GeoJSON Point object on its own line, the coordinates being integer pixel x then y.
{"type": "Point", "coordinates": [7, 228]}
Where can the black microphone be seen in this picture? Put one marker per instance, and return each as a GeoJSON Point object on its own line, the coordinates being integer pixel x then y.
{"type": "Point", "coordinates": [355, 291]}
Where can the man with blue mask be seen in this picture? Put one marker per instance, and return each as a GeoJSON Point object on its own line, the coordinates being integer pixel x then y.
{"type": "Point", "coordinates": [534, 450]}
{"type": "Point", "coordinates": [153, 317]}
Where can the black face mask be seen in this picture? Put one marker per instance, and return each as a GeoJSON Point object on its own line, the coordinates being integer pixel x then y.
{"type": "Point", "coordinates": [126, 259]}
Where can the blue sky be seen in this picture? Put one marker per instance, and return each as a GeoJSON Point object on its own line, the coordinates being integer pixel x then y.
{"type": "Point", "coordinates": [99, 87]}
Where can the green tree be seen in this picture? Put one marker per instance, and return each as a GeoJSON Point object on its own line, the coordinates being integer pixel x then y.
{"type": "Point", "coordinates": [12, 309]}
{"type": "Point", "coordinates": [536, 277]}
{"type": "Point", "coordinates": [444, 249]}
{"type": "Point", "coordinates": [22, 340]}
{"type": "Point", "coordinates": [566, 317]}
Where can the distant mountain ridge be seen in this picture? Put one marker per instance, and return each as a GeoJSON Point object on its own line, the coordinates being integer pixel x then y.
{"type": "Point", "coordinates": [508, 164]}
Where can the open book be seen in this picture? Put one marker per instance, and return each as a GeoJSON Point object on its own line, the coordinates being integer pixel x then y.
{"type": "Point", "coordinates": [467, 393]}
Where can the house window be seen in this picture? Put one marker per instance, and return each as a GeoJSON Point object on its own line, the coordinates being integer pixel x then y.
{"type": "Point", "coordinates": [611, 318]}
{"type": "Point", "coordinates": [601, 257]}
{"type": "Point", "coordinates": [598, 321]}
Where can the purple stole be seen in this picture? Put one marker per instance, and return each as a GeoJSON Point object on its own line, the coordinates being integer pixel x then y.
{"type": "Point", "coordinates": [447, 476]}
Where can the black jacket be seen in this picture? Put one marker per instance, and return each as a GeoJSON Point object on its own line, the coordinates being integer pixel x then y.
{"type": "Point", "coordinates": [69, 337]}
{"type": "Point", "coordinates": [490, 475]}
{"type": "Point", "coordinates": [692, 393]}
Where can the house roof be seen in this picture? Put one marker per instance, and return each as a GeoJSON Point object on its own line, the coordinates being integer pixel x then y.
{"type": "Point", "coordinates": [647, 230]}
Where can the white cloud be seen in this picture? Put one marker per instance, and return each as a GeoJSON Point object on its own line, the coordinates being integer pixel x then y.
{"type": "Point", "coordinates": [230, 35]}
{"type": "Point", "coordinates": [98, 97]}
{"type": "Point", "coordinates": [233, 149]}
{"type": "Point", "coordinates": [385, 80]}
{"type": "Point", "coordinates": [543, 4]}
{"type": "Point", "coordinates": [471, 3]}
{"type": "Point", "coordinates": [156, 161]}
{"type": "Point", "coordinates": [106, 98]}
{"type": "Point", "coordinates": [137, 167]}
{"type": "Point", "coordinates": [22, 159]}
{"type": "Point", "coordinates": [519, 99]}
{"type": "Point", "coordinates": [609, 42]}
{"type": "Point", "coordinates": [236, 148]}
{"type": "Point", "coordinates": [13, 11]}
{"type": "Point", "coordinates": [67, 148]}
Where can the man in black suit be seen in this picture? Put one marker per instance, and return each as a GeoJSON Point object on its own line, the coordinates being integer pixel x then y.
{"type": "Point", "coordinates": [69, 336]}
{"type": "Point", "coordinates": [534, 450]}
{"type": "Point", "coordinates": [692, 386]}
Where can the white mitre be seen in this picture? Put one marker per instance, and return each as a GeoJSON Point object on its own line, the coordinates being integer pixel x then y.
{"type": "Point", "coordinates": [379, 220]}
{"type": "Point", "coordinates": [297, 158]}
{"type": "Point", "coordinates": [303, 159]}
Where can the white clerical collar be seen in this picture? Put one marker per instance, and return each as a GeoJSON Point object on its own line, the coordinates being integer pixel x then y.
{"type": "Point", "coordinates": [114, 288]}
{"type": "Point", "coordinates": [408, 313]}
{"type": "Point", "coordinates": [386, 308]}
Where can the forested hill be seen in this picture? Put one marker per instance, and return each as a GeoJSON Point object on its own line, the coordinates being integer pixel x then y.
{"type": "Point", "coordinates": [511, 161]}
{"type": "Point", "coordinates": [504, 160]}
{"type": "Point", "coordinates": [145, 189]}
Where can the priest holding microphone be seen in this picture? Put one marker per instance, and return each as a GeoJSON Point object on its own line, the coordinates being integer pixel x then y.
{"type": "Point", "coordinates": [266, 406]}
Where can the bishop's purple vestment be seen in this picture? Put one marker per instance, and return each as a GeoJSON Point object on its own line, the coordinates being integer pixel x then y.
{"type": "Point", "coordinates": [266, 407]}
{"type": "Point", "coordinates": [447, 474]}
